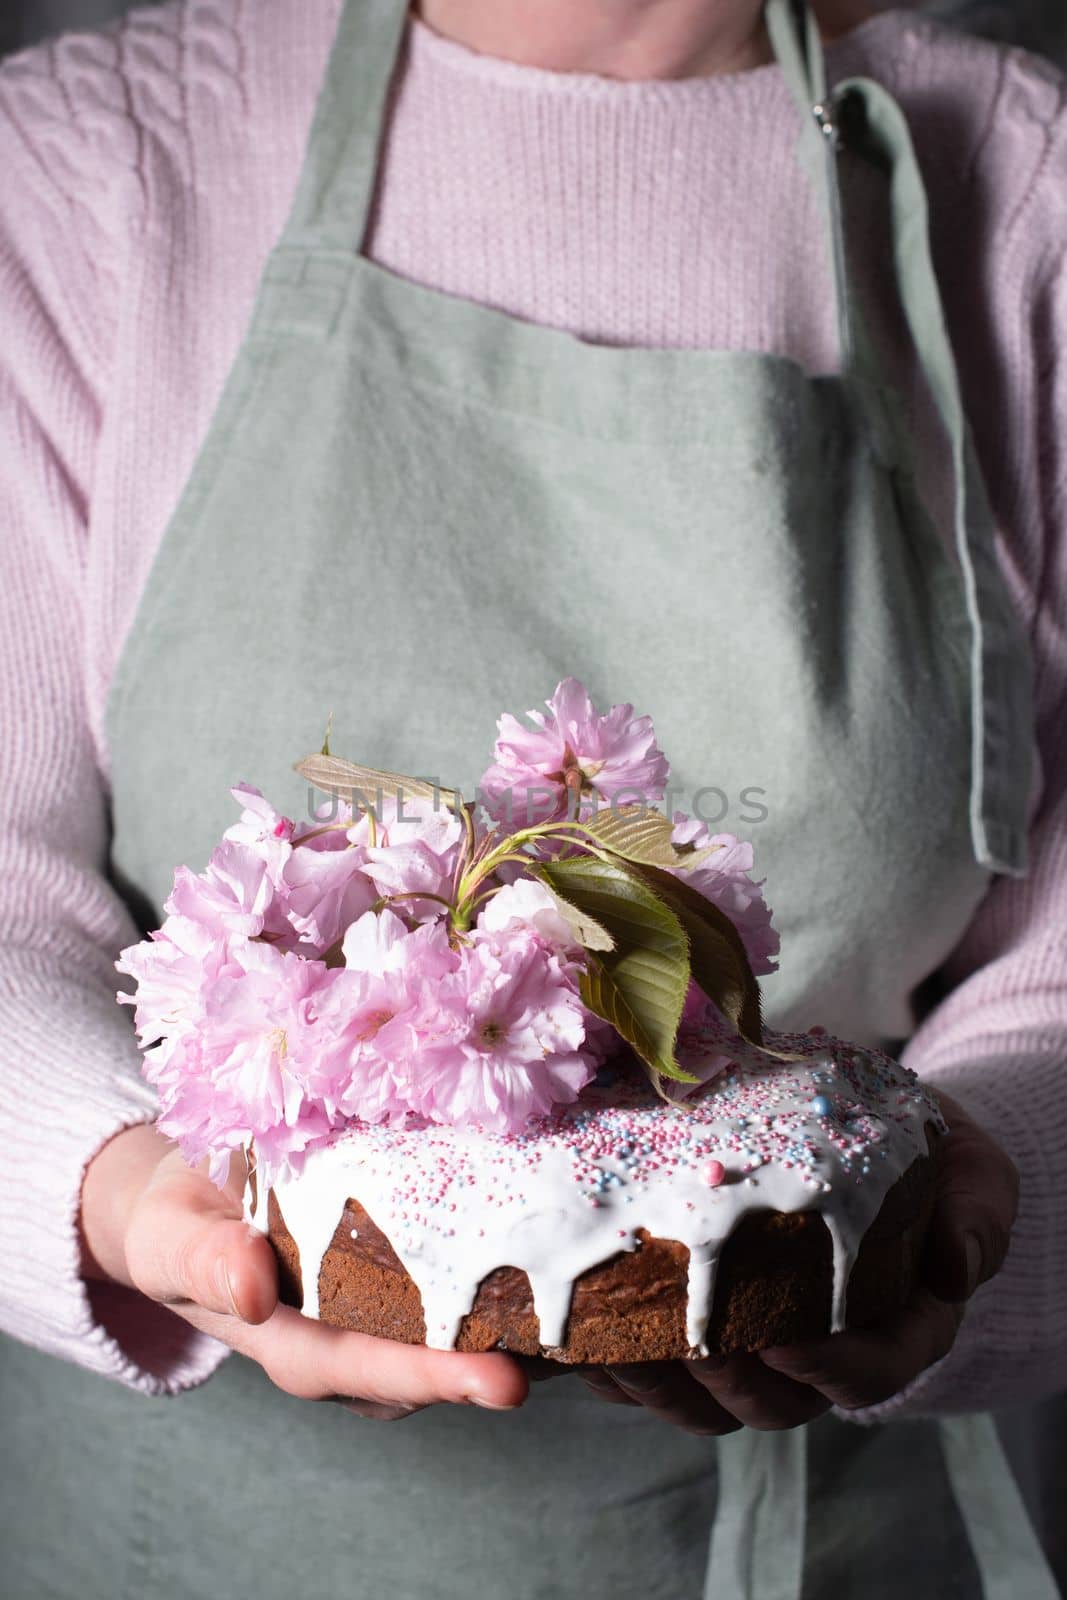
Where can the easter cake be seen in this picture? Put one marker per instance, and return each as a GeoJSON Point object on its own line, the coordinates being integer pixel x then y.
{"type": "Point", "coordinates": [780, 1202]}
{"type": "Point", "coordinates": [498, 1069]}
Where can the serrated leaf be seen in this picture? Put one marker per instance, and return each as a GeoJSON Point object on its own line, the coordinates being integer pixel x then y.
{"type": "Point", "coordinates": [606, 995]}
{"type": "Point", "coordinates": [638, 834]}
{"type": "Point", "coordinates": [718, 959]}
{"type": "Point", "coordinates": [640, 986]}
{"type": "Point", "coordinates": [586, 929]}
{"type": "Point", "coordinates": [331, 773]}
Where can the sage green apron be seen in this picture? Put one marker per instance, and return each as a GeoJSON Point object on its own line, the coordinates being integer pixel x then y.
{"type": "Point", "coordinates": [414, 512]}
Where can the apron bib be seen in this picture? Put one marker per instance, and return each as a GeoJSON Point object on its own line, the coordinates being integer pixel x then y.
{"type": "Point", "coordinates": [415, 512]}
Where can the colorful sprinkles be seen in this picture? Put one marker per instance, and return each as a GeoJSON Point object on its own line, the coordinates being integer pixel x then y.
{"type": "Point", "coordinates": [819, 1126]}
{"type": "Point", "coordinates": [618, 1137]}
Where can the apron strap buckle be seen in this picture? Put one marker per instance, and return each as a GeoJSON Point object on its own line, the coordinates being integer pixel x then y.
{"type": "Point", "coordinates": [826, 120]}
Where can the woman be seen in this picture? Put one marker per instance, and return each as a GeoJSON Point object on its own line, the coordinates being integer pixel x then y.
{"type": "Point", "coordinates": [409, 488]}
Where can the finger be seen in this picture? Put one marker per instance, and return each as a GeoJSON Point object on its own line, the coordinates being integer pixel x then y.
{"type": "Point", "coordinates": [186, 1243]}
{"type": "Point", "coordinates": [976, 1200]}
{"type": "Point", "coordinates": [863, 1367]}
{"type": "Point", "coordinates": [605, 1388]}
{"type": "Point", "coordinates": [314, 1362]}
{"type": "Point", "coordinates": [667, 1390]}
{"type": "Point", "coordinates": [756, 1394]}
{"type": "Point", "coordinates": [539, 1369]}
{"type": "Point", "coordinates": [375, 1413]}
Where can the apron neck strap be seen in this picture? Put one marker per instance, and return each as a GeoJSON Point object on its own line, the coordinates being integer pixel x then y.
{"type": "Point", "coordinates": [795, 39]}
{"type": "Point", "coordinates": [332, 206]}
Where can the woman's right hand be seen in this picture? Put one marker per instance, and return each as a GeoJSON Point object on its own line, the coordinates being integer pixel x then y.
{"type": "Point", "coordinates": [156, 1225]}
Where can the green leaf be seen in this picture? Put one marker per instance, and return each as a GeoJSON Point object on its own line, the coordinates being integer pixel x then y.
{"type": "Point", "coordinates": [608, 995]}
{"type": "Point", "coordinates": [718, 959]}
{"type": "Point", "coordinates": [586, 929]}
{"type": "Point", "coordinates": [639, 987]}
{"type": "Point", "coordinates": [331, 773]}
{"type": "Point", "coordinates": [638, 834]}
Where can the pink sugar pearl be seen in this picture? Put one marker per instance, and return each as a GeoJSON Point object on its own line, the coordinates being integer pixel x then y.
{"type": "Point", "coordinates": [713, 1174]}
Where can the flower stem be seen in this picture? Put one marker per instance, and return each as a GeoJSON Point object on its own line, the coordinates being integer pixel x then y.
{"type": "Point", "coordinates": [415, 894]}
{"type": "Point", "coordinates": [317, 833]}
{"type": "Point", "coordinates": [512, 848]}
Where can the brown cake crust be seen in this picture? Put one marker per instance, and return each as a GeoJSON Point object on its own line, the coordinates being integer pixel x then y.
{"type": "Point", "coordinates": [773, 1285]}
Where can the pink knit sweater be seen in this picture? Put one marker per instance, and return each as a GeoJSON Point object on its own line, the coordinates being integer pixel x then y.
{"type": "Point", "coordinates": [146, 171]}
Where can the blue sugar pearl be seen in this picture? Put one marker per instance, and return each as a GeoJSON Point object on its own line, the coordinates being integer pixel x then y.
{"type": "Point", "coordinates": [822, 1106]}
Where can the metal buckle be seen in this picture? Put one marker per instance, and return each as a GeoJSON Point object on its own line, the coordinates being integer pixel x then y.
{"type": "Point", "coordinates": [825, 115]}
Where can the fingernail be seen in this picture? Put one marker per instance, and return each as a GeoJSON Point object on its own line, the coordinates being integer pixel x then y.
{"type": "Point", "coordinates": [973, 1252]}
{"type": "Point", "coordinates": [488, 1405]}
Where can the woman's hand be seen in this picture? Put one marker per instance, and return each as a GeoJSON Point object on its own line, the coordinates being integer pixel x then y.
{"type": "Point", "coordinates": [976, 1201]}
{"type": "Point", "coordinates": [152, 1223]}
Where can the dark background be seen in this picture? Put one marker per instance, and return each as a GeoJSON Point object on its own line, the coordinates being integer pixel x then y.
{"type": "Point", "coordinates": [1038, 24]}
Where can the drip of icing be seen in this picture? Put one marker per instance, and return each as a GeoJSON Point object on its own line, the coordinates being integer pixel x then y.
{"type": "Point", "coordinates": [575, 1188]}
{"type": "Point", "coordinates": [700, 1292]}
{"type": "Point", "coordinates": [845, 1250]}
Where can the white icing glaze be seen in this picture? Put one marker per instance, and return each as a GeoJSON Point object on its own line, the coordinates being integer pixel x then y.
{"type": "Point", "coordinates": [573, 1190]}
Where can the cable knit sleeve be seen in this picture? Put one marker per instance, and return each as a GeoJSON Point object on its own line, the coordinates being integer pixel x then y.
{"type": "Point", "coordinates": [69, 1073]}
{"type": "Point", "coordinates": [998, 1041]}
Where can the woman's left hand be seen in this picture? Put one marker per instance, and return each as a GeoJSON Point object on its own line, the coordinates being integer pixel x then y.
{"type": "Point", "coordinates": [975, 1207]}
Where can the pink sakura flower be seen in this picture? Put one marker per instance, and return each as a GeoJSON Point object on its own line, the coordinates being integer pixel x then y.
{"type": "Point", "coordinates": [725, 879]}
{"type": "Point", "coordinates": [411, 849]}
{"type": "Point", "coordinates": [240, 893]}
{"type": "Point", "coordinates": [317, 878]}
{"type": "Point", "coordinates": [500, 1040]}
{"type": "Point", "coordinates": [244, 1074]}
{"type": "Point", "coordinates": [231, 898]}
{"type": "Point", "coordinates": [262, 831]}
{"type": "Point", "coordinates": [209, 916]}
{"type": "Point", "coordinates": [571, 758]}
{"type": "Point", "coordinates": [326, 888]}
{"type": "Point", "coordinates": [366, 1018]}
{"type": "Point", "coordinates": [527, 904]}
{"type": "Point", "coordinates": [171, 970]}
{"type": "Point", "coordinates": [380, 942]}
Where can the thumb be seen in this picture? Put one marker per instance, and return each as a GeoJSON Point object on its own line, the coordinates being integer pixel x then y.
{"type": "Point", "coordinates": [187, 1243]}
{"type": "Point", "coordinates": [976, 1199]}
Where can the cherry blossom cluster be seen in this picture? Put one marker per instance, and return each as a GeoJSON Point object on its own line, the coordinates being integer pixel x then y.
{"type": "Point", "coordinates": [368, 968]}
